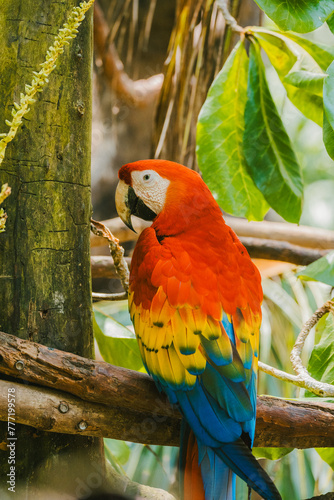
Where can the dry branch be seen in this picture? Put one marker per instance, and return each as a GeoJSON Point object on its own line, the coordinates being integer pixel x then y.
{"type": "Point", "coordinates": [298, 245]}
{"type": "Point", "coordinates": [114, 402]}
{"type": "Point", "coordinates": [259, 248]}
{"type": "Point", "coordinates": [135, 92]}
{"type": "Point", "coordinates": [303, 236]}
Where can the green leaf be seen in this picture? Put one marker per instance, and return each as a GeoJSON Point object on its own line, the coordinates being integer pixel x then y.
{"type": "Point", "coordinates": [271, 453]}
{"type": "Point", "coordinates": [320, 270]}
{"type": "Point", "coordinates": [321, 367]}
{"type": "Point", "coordinates": [117, 344]}
{"type": "Point", "coordinates": [327, 454]}
{"type": "Point", "coordinates": [297, 15]}
{"type": "Point", "coordinates": [321, 53]}
{"type": "Point", "coordinates": [328, 136]}
{"type": "Point", "coordinates": [328, 132]}
{"type": "Point", "coordinates": [330, 23]}
{"type": "Point", "coordinates": [118, 450]}
{"type": "Point", "coordinates": [286, 55]}
{"type": "Point", "coordinates": [219, 141]}
{"type": "Point", "coordinates": [312, 82]}
{"type": "Point", "coordinates": [321, 363]}
{"type": "Point", "coordinates": [268, 151]}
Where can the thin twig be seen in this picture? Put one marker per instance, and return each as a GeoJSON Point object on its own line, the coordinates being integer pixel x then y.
{"type": "Point", "coordinates": [319, 388]}
{"type": "Point", "coordinates": [110, 296]}
{"type": "Point", "coordinates": [117, 252]}
{"type": "Point", "coordinates": [229, 19]}
{"type": "Point", "coordinates": [303, 378]}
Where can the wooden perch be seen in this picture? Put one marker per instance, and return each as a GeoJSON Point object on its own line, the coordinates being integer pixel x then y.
{"type": "Point", "coordinates": [99, 399]}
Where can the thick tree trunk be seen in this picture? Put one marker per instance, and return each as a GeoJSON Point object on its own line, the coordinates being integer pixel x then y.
{"type": "Point", "coordinates": [44, 253]}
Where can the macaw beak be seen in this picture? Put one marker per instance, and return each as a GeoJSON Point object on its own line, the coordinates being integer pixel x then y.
{"type": "Point", "coordinates": [128, 203]}
{"type": "Point", "coordinates": [125, 202]}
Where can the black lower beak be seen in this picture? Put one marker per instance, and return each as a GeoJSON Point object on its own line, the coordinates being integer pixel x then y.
{"type": "Point", "coordinates": [138, 208]}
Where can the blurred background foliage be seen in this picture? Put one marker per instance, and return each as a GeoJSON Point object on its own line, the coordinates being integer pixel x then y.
{"type": "Point", "coordinates": [151, 38]}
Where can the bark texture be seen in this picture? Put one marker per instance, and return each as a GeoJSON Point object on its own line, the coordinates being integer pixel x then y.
{"type": "Point", "coordinates": [44, 253]}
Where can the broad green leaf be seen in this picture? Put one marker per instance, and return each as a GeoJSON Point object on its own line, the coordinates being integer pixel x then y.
{"type": "Point", "coordinates": [328, 136]}
{"type": "Point", "coordinates": [119, 450]}
{"type": "Point", "coordinates": [297, 15]}
{"type": "Point", "coordinates": [271, 453]}
{"type": "Point", "coordinates": [330, 23]}
{"type": "Point", "coordinates": [328, 133]}
{"type": "Point", "coordinates": [268, 151]}
{"type": "Point", "coordinates": [219, 141]}
{"type": "Point", "coordinates": [309, 104]}
{"type": "Point", "coordinates": [320, 270]}
{"type": "Point", "coordinates": [312, 82]}
{"type": "Point", "coordinates": [120, 346]}
{"type": "Point", "coordinates": [321, 363]}
{"type": "Point", "coordinates": [287, 56]}
{"type": "Point", "coordinates": [327, 454]}
{"type": "Point", "coordinates": [321, 53]}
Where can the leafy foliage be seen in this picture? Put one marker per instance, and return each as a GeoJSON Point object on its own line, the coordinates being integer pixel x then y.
{"type": "Point", "coordinates": [267, 147]}
{"type": "Point", "coordinates": [117, 344]}
{"type": "Point", "coordinates": [271, 453]}
{"type": "Point", "coordinates": [321, 363]}
{"type": "Point", "coordinates": [329, 111]}
{"type": "Point", "coordinates": [220, 140]}
{"type": "Point", "coordinates": [297, 15]}
{"type": "Point", "coordinates": [264, 164]}
{"type": "Point", "coordinates": [320, 270]}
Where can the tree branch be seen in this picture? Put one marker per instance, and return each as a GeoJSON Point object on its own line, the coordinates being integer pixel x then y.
{"type": "Point", "coordinates": [137, 93]}
{"type": "Point", "coordinates": [300, 245]}
{"type": "Point", "coordinates": [98, 399]}
{"type": "Point", "coordinates": [259, 248]}
{"type": "Point", "coordinates": [304, 236]}
{"type": "Point", "coordinates": [229, 19]}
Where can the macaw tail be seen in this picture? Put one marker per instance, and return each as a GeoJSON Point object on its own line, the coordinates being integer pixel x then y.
{"type": "Point", "coordinates": [210, 474]}
{"type": "Point", "coordinates": [203, 475]}
{"type": "Point", "coordinates": [191, 483]}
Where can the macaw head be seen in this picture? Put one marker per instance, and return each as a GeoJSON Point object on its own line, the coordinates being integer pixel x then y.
{"type": "Point", "coordinates": [164, 191]}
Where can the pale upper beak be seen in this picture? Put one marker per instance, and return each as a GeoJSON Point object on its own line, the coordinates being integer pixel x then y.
{"type": "Point", "coordinates": [128, 203]}
{"type": "Point", "coordinates": [123, 203]}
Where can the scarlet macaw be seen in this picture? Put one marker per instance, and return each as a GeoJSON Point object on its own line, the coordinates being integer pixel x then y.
{"type": "Point", "coordinates": [195, 302]}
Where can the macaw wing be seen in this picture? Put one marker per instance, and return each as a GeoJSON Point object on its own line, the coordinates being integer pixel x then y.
{"type": "Point", "coordinates": [198, 337]}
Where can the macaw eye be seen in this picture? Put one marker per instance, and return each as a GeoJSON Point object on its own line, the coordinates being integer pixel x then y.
{"type": "Point", "coordinates": [146, 177]}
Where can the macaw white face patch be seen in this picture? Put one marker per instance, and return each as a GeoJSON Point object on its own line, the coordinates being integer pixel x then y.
{"type": "Point", "coordinates": [151, 188]}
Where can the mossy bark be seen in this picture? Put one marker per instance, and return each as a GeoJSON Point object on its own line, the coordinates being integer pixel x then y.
{"type": "Point", "coordinates": [45, 286]}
